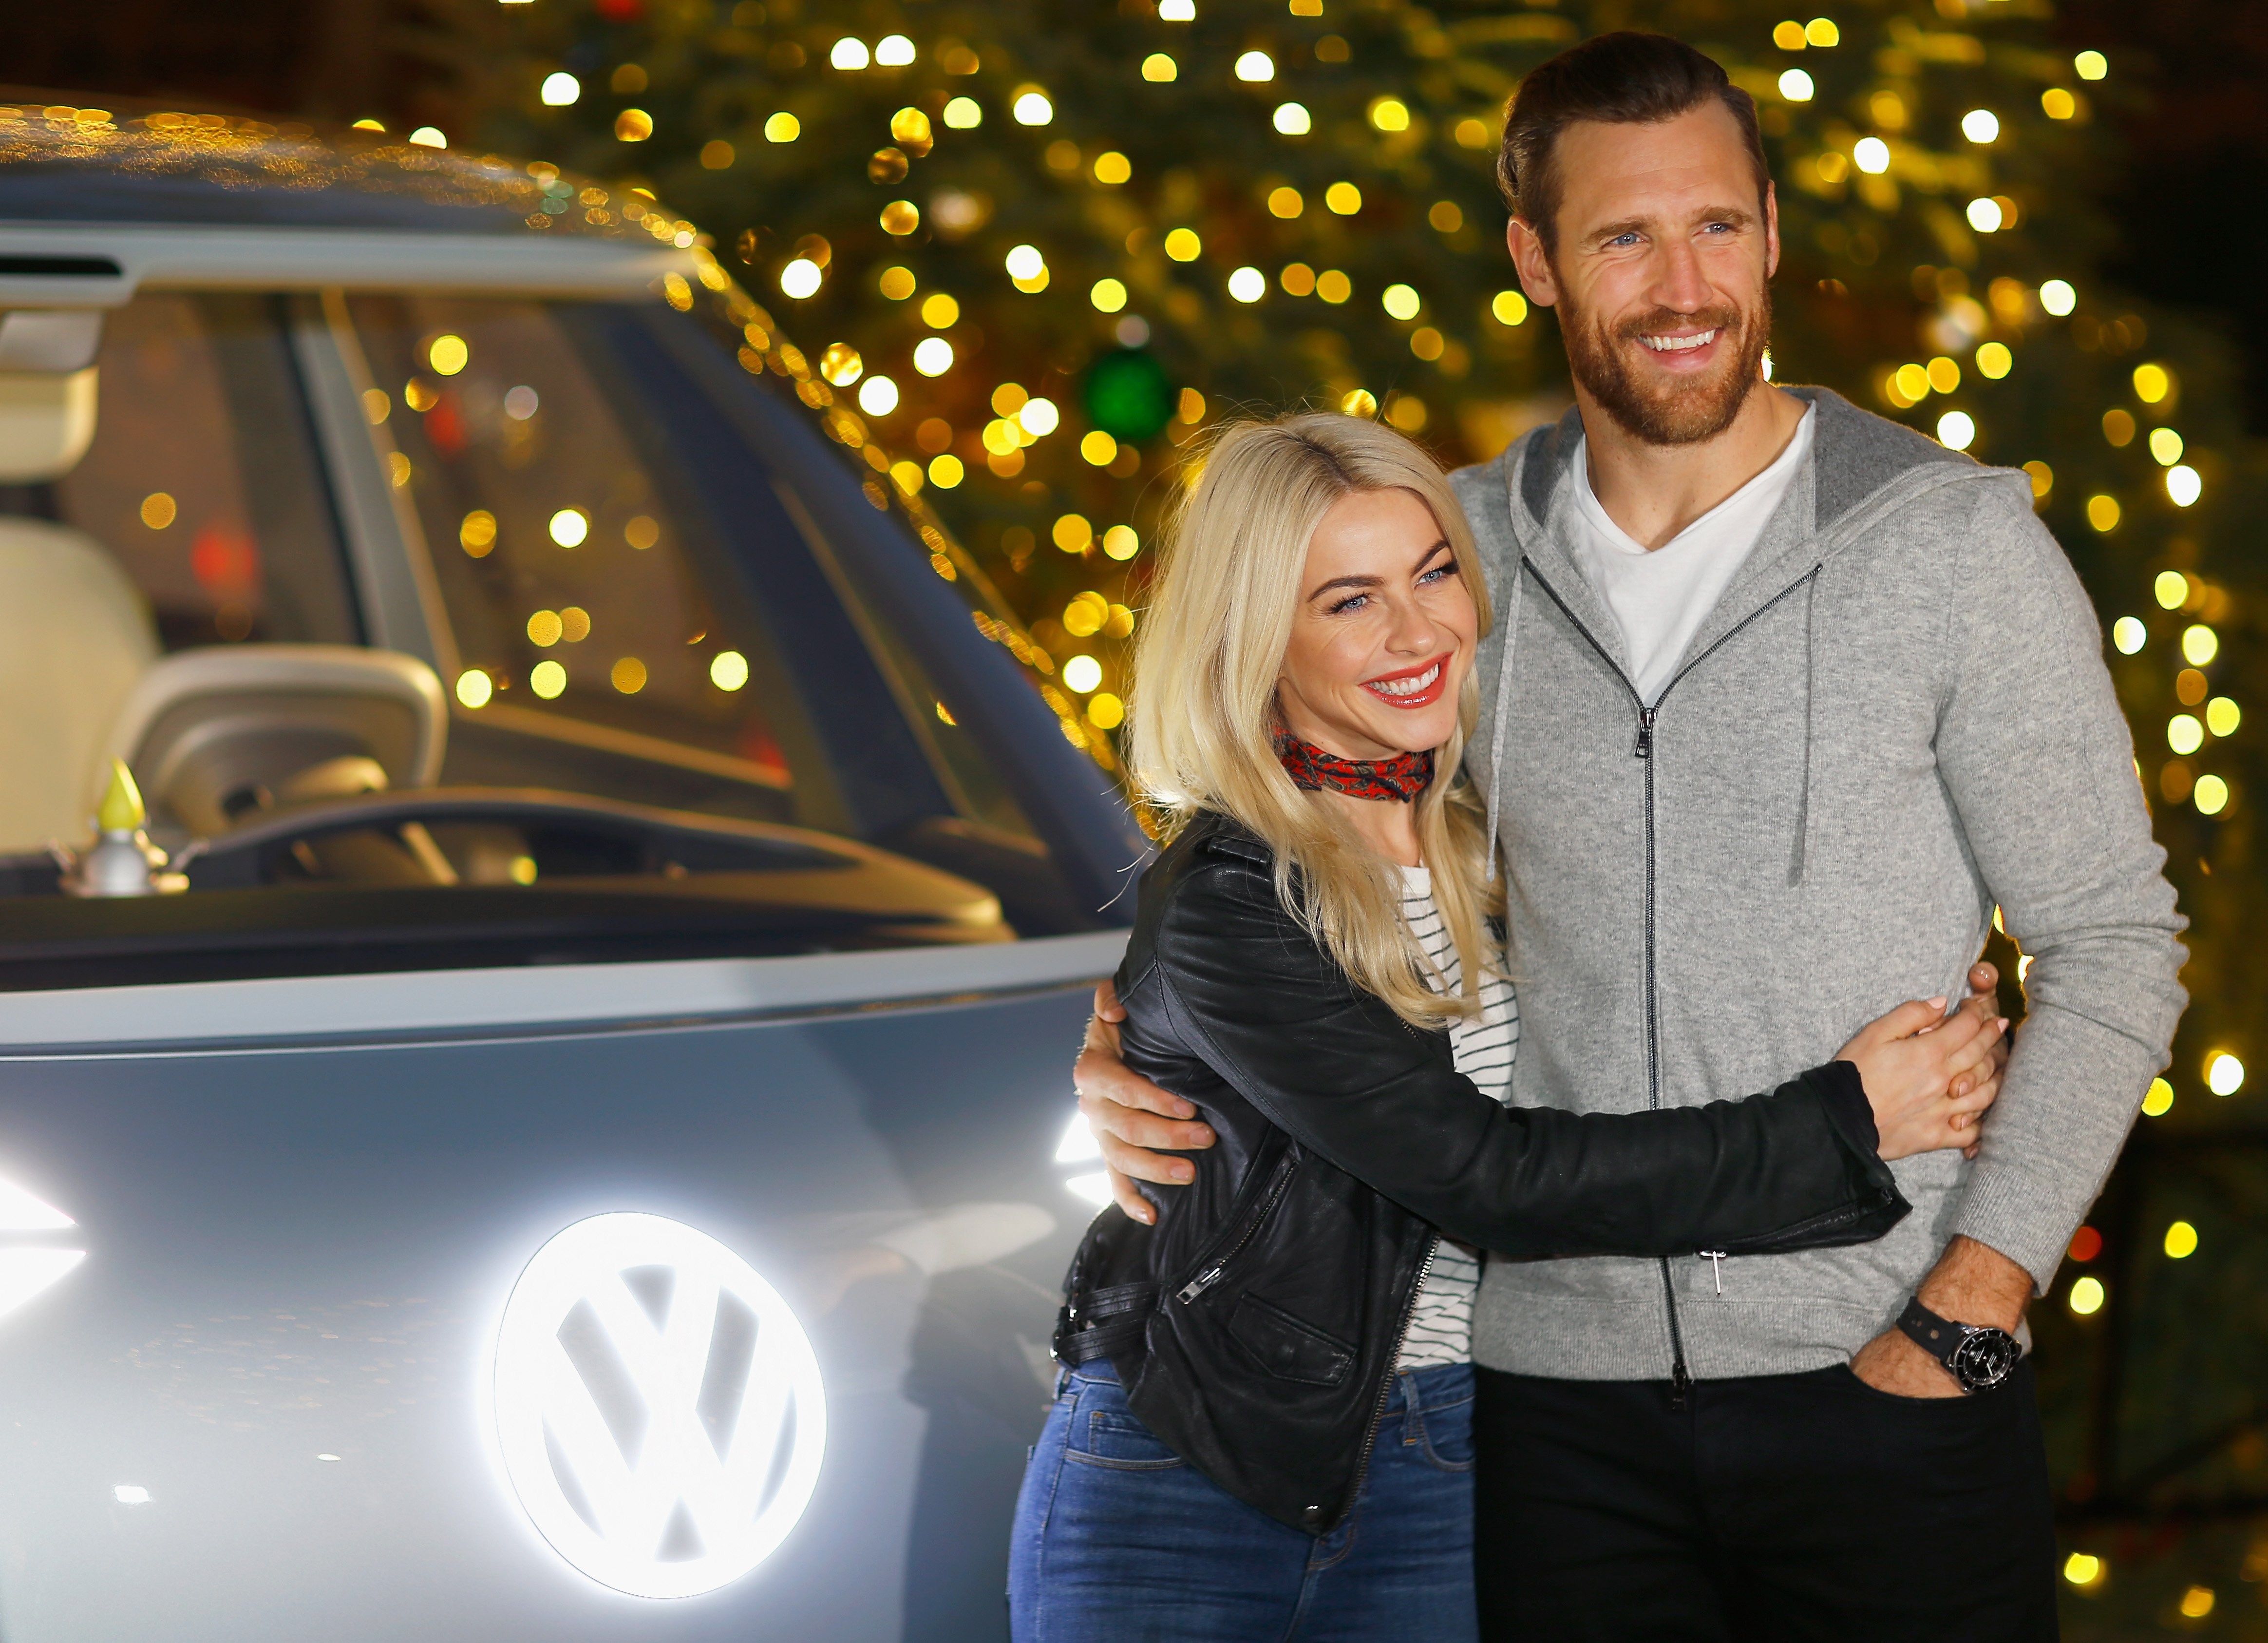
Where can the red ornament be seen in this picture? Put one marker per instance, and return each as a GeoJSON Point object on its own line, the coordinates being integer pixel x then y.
{"type": "Point", "coordinates": [758, 748]}
{"type": "Point", "coordinates": [223, 561]}
{"type": "Point", "coordinates": [444, 427]}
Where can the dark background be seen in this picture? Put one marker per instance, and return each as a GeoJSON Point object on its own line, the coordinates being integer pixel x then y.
{"type": "Point", "coordinates": [2191, 104]}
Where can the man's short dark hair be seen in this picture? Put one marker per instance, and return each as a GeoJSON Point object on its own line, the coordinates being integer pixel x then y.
{"type": "Point", "coordinates": [1622, 79]}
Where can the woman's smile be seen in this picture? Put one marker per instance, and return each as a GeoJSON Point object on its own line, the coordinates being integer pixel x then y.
{"type": "Point", "coordinates": [1412, 687]}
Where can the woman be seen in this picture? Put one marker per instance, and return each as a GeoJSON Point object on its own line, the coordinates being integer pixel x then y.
{"type": "Point", "coordinates": [1261, 1427]}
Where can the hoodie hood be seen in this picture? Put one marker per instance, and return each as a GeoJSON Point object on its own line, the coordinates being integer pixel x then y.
{"type": "Point", "coordinates": [1861, 469]}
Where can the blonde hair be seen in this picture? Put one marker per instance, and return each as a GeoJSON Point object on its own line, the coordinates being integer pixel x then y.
{"type": "Point", "coordinates": [1203, 706]}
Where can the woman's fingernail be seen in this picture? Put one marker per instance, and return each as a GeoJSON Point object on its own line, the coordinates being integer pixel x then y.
{"type": "Point", "coordinates": [1938, 1003]}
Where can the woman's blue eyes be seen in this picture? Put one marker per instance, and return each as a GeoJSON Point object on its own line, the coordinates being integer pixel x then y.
{"type": "Point", "coordinates": [1356, 601]}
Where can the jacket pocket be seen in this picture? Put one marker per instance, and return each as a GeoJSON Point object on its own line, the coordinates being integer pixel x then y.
{"type": "Point", "coordinates": [1241, 1227]}
{"type": "Point", "coordinates": [1287, 1348]}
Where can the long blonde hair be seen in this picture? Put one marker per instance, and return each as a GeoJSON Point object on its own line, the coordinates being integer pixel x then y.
{"type": "Point", "coordinates": [1203, 705]}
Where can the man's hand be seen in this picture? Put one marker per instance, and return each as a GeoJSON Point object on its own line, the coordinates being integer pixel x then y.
{"type": "Point", "coordinates": [1130, 1116]}
{"type": "Point", "coordinates": [1972, 1283]}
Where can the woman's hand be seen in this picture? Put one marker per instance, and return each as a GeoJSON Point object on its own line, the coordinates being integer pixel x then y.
{"type": "Point", "coordinates": [1927, 1075]}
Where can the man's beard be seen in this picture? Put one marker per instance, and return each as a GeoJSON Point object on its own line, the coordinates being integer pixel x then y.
{"type": "Point", "coordinates": [1679, 411]}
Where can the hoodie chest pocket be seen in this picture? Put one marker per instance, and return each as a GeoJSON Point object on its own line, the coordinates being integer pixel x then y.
{"type": "Point", "coordinates": [1287, 1347]}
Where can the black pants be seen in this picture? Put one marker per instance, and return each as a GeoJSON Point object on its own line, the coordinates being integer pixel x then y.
{"type": "Point", "coordinates": [1778, 1507]}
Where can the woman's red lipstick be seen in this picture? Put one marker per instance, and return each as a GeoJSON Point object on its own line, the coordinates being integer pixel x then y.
{"type": "Point", "coordinates": [1435, 674]}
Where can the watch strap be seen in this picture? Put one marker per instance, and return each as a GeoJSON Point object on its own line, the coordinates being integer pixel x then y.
{"type": "Point", "coordinates": [1935, 1336]}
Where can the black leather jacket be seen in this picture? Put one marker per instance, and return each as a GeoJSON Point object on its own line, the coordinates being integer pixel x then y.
{"type": "Point", "coordinates": [1256, 1327]}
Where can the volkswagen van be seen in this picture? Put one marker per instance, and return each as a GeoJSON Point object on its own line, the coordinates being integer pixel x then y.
{"type": "Point", "coordinates": [545, 909]}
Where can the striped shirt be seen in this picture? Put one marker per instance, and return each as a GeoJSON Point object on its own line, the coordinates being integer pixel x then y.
{"type": "Point", "coordinates": [1441, 1321]}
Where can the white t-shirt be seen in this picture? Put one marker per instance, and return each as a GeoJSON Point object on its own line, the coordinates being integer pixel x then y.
{"type": "Point", "coordinates": [1660, 596]}
{"type": "Point", "coordinates": [1442, 1318]}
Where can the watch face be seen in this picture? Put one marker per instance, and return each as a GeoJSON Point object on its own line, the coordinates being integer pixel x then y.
{"type": "Point", "coordinates": [1984, 1359]}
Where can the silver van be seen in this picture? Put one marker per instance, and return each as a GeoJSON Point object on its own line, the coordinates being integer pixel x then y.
{"type": "Point", "coordinates": [541, 1108]}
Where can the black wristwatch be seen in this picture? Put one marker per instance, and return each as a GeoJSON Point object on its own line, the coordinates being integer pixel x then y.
{"type": "Point", "coordinates": [1977, 1356]}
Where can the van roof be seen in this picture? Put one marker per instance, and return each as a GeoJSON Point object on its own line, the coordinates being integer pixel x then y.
{"type": "Point", "coordinates": [65, 163]}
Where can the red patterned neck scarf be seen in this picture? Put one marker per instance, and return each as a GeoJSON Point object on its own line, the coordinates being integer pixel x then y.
{"type": "Point", "coordinates": [1402, 776]}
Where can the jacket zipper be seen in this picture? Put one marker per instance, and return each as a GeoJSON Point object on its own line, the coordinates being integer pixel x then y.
{"type": "Point", "coordinates": [1211, 1274]}
{"type": "Point", "coordinates": [1392, 1361]}
{"type": "Point", "coordinates": [1680, 1377]}
{"type": "Point", "coordinates": [1214, 1269]}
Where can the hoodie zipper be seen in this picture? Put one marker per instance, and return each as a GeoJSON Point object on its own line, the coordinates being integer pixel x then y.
{"type": "Point", "coordinates": [1679, 1378]}
{"type": "Point", "coordinates": [1211, 1274]}
{"type": "Point", "coordinates": [1642, 748]}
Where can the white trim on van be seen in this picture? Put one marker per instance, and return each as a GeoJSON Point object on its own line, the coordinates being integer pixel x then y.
{"type": "Point", "coordinates": [253, 258]}
{"type": "Point", "coordinates": [510, 1002]}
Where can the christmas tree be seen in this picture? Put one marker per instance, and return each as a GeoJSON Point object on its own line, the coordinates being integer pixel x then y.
{"type": "Point", "coordinates": [1041, 246]}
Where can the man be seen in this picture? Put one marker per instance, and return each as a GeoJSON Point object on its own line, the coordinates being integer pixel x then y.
{"type": "Point", "coordinates": [1783, 699]}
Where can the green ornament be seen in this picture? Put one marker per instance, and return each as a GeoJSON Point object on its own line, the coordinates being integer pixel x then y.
{"type": "Point", "coordinates": [1128, 396]}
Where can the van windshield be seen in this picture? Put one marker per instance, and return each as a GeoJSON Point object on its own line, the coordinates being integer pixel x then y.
{"type": "Point", "coordinates": [616, 694]}
{"type": "Point", "coordinates": [574, 584]}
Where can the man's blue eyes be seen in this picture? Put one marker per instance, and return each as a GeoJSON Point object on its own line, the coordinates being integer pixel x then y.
{"type": "Point", "coordinates": [1632, 237]}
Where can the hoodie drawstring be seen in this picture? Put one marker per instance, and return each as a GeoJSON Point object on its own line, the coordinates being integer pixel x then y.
{"type": "Point", "coordinates": [1796, 863]}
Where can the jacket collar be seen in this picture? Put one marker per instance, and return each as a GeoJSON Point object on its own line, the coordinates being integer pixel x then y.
{"type": "Point", "coordinates": [1212, 830]}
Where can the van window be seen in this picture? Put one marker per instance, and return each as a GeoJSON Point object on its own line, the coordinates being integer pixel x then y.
{"type": "Point", "coordinates": [203, 479]}
{"type": "Point", "coordinates": [572, 580]}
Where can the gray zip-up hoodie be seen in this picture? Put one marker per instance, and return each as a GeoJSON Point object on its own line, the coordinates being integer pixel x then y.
{"type": "Point", "coordinates": [1896, 717]}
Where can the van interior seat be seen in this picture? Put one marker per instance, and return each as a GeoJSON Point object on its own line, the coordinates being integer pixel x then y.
{"type": "Point", "coordinates": [75, 635]}
{"type": "Point", "coordinates": [218, 733]}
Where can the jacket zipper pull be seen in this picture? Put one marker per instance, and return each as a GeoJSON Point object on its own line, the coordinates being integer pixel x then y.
{"type": "Point", "coordinates": [1678, 1382]}
{"type": "Point", "coordinates": [1199, 1284]}
{"type": "Point", "coordinates": [1644, 747]}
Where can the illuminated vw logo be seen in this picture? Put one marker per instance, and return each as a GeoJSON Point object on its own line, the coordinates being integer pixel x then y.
{"type": "Point", "coordinates": [656, 1406]}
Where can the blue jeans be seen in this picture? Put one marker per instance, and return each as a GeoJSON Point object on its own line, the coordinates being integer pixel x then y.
{"type": "Point", "coordinates": [1119, 1540]}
